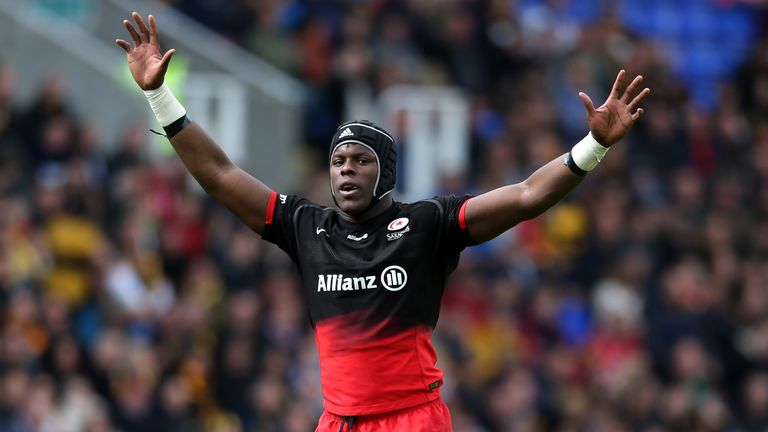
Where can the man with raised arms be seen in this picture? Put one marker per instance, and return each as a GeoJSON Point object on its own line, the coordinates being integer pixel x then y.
{"type": "Point", "coordinates": [373, 269]}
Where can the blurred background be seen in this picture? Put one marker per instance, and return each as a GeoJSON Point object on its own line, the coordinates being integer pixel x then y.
{"type": "Point", "coordinates": [129, 301]}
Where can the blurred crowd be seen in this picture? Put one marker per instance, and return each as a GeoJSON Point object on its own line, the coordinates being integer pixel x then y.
{"type": "Point", "coordinates": [131, 302]}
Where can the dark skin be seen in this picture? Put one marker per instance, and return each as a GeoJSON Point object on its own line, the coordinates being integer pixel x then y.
{"type": "Point", "coordinates": [353, 168]}
{"type": "Point", "coordinates": [353, 176]}
{"type": "Point", "coordinates": [237, 190]}
{"type": "Point", "coordinates": [494, 212]}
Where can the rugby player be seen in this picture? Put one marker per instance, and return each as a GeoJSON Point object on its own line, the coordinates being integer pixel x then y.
{"type": "Point", "coordinates": [373, 269]}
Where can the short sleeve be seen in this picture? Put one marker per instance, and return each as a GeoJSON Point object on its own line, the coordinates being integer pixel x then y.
{"type": "Point", "coordinates": [454, 225]}
{"type": "Point", "coordinates": [279, 225]}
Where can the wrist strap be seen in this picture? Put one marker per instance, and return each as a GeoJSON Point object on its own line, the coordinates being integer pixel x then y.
{"type": "Point", "coordinates": [164, 104]}
{"type": "Point", "coordinates": [172, 129]}
{"type": "Point", "coordinates": [587, 153]}
{"type": "Point", "coordinates": [572, 165]}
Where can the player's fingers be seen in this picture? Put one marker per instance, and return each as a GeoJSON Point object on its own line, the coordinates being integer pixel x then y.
{"type": "Point", "coordinates": [166, 59]}
{"type": "Point", "coordinates": [124, 45]}
{"type": "Point", "coordinates": [618, 85]}
{"type": "Point", "coordinates": [639, 98]}
{"type": "Point", "coordinates": [153, 37]}
{"type": "Point", "coordinates": [142, 27]}
{"type": "Point", "coordinates": [587, 101]}
{"type": "Point", "coordinates": [639, 113]}
{"type": "Point", "coordinates": [631, 88]}
{"type": "Point", "coordinates": [134, 36]}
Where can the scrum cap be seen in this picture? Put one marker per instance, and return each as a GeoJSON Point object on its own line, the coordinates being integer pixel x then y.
{"type": "Point", "coordinates": [379, 142]}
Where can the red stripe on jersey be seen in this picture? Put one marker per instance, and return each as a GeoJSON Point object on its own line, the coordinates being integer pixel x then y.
{"type": "Point", "coordinates": [371, 368]}
{"type": "Point", "coordinates": [462, 216]}
{"type": "Point", "coordinates": [271, 208]}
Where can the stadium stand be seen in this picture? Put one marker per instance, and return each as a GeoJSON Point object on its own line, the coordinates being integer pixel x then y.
{"type": "Point", "coordinates": [130, 302]}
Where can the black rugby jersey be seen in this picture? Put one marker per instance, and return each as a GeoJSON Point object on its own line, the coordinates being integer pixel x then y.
{"type": "Point", "coordinates": [373, 290]}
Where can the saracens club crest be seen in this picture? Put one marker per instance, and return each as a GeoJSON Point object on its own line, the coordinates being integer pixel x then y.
{"type": "Point", "coordinates": [400, 226]}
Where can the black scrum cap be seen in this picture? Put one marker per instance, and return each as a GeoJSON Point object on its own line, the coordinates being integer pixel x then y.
{"type": "Point", "coordinates": [379, 142]}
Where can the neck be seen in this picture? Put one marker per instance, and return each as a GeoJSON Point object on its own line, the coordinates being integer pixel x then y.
{"type": "Point", "coordinates": [371, 213]}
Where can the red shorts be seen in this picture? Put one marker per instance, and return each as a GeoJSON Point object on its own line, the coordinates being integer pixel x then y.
{"type": "Point", "coordinates": [430, 417]}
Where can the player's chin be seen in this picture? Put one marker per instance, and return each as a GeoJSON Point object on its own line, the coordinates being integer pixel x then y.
{"type": "Point", "coordinates": [352, 206]}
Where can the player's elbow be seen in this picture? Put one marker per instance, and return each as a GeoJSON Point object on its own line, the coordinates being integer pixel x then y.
{"type": "Point", "coordinates": [214, 181]}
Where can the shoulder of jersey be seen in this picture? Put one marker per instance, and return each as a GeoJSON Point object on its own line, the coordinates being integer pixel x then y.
{"type": "Point", "coordinates": [425, 205]}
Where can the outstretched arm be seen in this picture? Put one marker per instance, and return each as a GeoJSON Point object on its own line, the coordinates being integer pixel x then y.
{"type": "Point", "coordinates": [241, 193]}
{"type": "Point", "coordinates": [494, 212]}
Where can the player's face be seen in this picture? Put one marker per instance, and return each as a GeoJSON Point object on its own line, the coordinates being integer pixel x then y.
{"type": "Point", "coordinates": [353, 177]}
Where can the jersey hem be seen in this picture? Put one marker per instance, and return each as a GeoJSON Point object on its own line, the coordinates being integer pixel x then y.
{"type": "Point", "coordinates": [388, 413]}
{"type": "Point", "coordinates": [388, 408]}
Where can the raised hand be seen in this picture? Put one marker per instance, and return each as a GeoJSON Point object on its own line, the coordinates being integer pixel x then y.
{"type": "Point", "coordinates": [613, 119]}
{"type": "Point", "coordinates": [147, 65]}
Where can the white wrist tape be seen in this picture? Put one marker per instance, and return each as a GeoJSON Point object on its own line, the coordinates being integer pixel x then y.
{"type": "Point", "coordinates": [587, 153]}
{"type": "Point", "coordinates": [164, 104]}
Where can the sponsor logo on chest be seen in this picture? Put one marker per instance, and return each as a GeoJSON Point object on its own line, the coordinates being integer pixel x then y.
{"type": "Point", "coordinates": [392, 278]}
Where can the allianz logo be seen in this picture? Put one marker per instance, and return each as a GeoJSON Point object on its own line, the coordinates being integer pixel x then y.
{"type": "Point", "coordinates": [392, 278]}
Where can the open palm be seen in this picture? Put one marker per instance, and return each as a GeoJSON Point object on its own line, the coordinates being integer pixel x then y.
{"type": "Point", "coordinates": [147, 65]}
{"type": "Point", "coordinates": [610, 122]}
